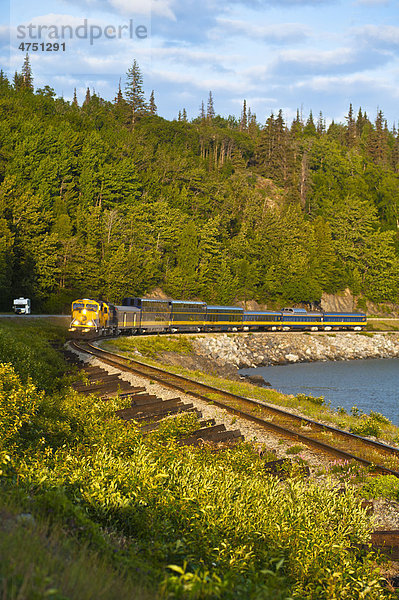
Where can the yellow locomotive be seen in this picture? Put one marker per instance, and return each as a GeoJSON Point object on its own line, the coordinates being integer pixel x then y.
{"type": "Point", "coordinates": [90, 317]}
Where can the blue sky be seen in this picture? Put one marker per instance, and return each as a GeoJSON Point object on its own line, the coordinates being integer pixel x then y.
{"type": "Point", "coordinates": [317, 55]}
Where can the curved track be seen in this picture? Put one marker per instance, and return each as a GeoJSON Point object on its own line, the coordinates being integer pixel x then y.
{"type": "Point", "coordinates": [326, 439]}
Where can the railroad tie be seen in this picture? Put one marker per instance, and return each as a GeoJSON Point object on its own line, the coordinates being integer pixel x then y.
{"type": "Point", "coordinates": [148, 427]}
{"type": "Point", "coordinates": [106, 388]}
{"type": "Point", "coordinates": [99, 380]}
{"type": "Point", "coordinates": [122, 394]}
{"type": "Point", "coordinates": [161, 409]}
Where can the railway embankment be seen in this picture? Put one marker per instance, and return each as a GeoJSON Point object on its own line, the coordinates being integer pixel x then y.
{"type": "Point", "coordinates": [264, 349]}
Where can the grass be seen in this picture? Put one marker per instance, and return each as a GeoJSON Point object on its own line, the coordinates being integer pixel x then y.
{"type": "Point", "coordinates": [152, 346]}
{"type": "Point", "coordinates": [39, 561]}
{"type": "Point", "coordinates": [33, 349]}
{"type": "Point", "coordinates": [383, 325]}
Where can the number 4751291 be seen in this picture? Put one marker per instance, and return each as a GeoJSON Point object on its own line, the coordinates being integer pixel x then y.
{"type": "Point", "coordinates": [42, 47]}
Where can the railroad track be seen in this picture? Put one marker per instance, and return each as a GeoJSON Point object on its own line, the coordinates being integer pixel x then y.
{"type": "Point", "coordinates": [148, 410]}
{"type": "Point", "coordinates": [324, 438]}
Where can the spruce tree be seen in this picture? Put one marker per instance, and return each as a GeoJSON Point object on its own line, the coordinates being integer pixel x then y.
{"type": "Point", "coordinates": [18, 81]}
{"type": "Point", "coordinates": [351, 128]}
{"type": "Point", "coordinates": [134, 92]}
{"type": "Point", "coordinates": [310, 128]}
{"type": "Point", "coordinates": [119, 96]}
{"type": "Point", "coordinates": [321, 124]}
{"type": "Point", "coordinates": [27, 78]}
{"type": "Point", "coordinates": [210, 112]}
{"type": "Point", "coordinates": [153, 106]}
{"type": "Point", "coordinates": [202, 111]}
{"type": "Point", "coordinates": [184, 115]}
{"type": "Point", "coordinates": [244, 118]}
{"type": "Point", "coordinates": [75, 99]}
{"type": "Point", "coordinates": [87, 98]}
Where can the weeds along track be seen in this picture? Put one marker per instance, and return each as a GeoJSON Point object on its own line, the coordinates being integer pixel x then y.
{"type": "Point", "coordinates": [324, 438]}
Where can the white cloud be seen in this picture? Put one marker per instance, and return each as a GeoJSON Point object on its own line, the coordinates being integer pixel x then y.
{"type": "Point", "coordinates": [275, 34]}
{"type": "Point", "coordinates": [160, 8]}
{"type": "Point", "coordinates": [198, 81]}
{"type": "Point", "coordinates": [372, 2]}
{"type": "Point", "coordinates": [385, 34]}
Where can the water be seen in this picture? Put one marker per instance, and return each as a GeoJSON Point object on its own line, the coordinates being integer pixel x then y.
{"type": "Point", "coordinates": [371, 384]}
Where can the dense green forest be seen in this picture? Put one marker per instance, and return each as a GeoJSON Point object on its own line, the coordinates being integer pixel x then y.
{"type": "Point", "coordinates": [109, 199]}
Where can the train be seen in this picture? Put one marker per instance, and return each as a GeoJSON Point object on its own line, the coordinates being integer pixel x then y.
{"type": "Point", "coordinates": [95, 318]}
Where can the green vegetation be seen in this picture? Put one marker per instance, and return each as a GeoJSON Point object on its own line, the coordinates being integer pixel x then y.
{"type": "Point", "coordinates": [383, 325]}
{"type": "Point", "coordinates": [151, 346]}
{"type": "Point", "coordinates": [295, 449]}
{"type": "Point", "coordinates": [110, 199]}
{"type": "Point", "coordinates": [384, 486]}
{"type": "Point", "coordinates": [319, 400]}
{"type": "Point", "coordinates": [31, 346]}
{"type": "Point", "coordinates": [108, 511]}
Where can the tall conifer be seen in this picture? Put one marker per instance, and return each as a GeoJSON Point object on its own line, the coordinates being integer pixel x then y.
{"type": "Point", "coordinates": [210, 112]}
{"type": "Point", "coordinates": [27, 77]}
{"type": "Point", "coordinates": [134, 92]}
{"type": "Point", "coordinates": [202, 111]}
{"type": "Point", "coordinates": [244, 118]}
{"type": "Point", "coordinates": [87, 97]}
{"type": "Point", "coordinates": [153, 106]}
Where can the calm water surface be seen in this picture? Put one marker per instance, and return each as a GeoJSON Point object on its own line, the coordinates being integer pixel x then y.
{"type": "Point", "coordinates": [371, 384]}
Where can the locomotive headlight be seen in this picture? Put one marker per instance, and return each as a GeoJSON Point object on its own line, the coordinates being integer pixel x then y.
{"type": "Point", "coordinates": [90, 323]}
{"type": "Point", "coordinates": [84, 311]}
{"type": "Point", "coordinates": [75, 322]}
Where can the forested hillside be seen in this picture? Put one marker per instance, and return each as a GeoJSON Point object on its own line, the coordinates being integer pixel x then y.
{"type": "Point", "coordinates": [108, 199]}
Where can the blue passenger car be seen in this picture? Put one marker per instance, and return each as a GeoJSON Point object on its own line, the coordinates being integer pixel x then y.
{"type": "Point", "coordinates": [300, 318]}
{"type": "Point", "coordinates": [154, 314]}
{"type": "Point", "coordinates": [267, 319]}
{"type": "Point", "coordinates": [355, 321]}
{"type": "Point", "coordinates": [223, 318]}
{"type": "Point", "coordinates": [187, 315]}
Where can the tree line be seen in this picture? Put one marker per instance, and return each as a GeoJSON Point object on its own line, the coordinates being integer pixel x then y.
{"type": "Point", "coordinates": [109, 199]}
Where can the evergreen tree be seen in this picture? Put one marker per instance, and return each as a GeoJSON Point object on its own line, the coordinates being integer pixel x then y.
{"type": "Point", "coordinates": [75, 99]}
{"type": "Point", "coordinates": [244, 118]}
{"type": "Point", "coordinates": [18, 81]}
{"type": "Point", "coordinates": [202, 115]}
{"type": "Point", "coordinates": [210, 112]}
{"type": "Point", "coordinates": [321, 124]}
{"type": "Point", "coordinates": [184, 115]}
{"type": "Point", "coordinates": [119, 96]}
{"type": "Point", "coordinates": [351, 128]}
{"type": "Point", "coordinates": [297, 125]}
{"type": "Point", "coordinates": [27, 77]}
{"type": "Point", "coordinates": [152, 105]}
{"type": "Point", "coordinates": [87, 97]}
{"type": "Point", "coordinates": [310, 128]}
{"type": "Point", "coordinates": [134, 93]}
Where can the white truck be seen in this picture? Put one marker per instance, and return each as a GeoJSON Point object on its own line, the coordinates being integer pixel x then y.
{"type": "Point", "coordinates": [21, 306]}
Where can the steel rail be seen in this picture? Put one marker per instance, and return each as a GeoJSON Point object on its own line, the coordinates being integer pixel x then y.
{"type": "Point", "coordinates": [183, 384]}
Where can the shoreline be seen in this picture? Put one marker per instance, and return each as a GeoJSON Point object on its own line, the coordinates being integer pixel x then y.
{"type": "Point", "coordinates": [249, 350]}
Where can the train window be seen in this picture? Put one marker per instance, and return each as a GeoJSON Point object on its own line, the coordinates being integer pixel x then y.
{"type": "Point", "coordinates": [94, 307]}
{"type": "Point", "coordinates": [78, 305]}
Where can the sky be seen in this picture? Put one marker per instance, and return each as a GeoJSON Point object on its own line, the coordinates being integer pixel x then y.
{"type": "Point", "coordinates": [317, 55]}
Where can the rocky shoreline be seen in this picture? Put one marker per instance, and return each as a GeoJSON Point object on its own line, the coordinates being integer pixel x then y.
{"type": "Point", "coordinates": [236, 351]}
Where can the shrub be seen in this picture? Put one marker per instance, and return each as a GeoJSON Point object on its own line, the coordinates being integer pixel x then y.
{"type": "Point", "coordinates": [380, 418]}
{"type": "Point", "coordinates": [385, 486]}
{"type": "Point", "coordinates": [367, 426]}
{"type": "Point", "coordinates": [319, 401]}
